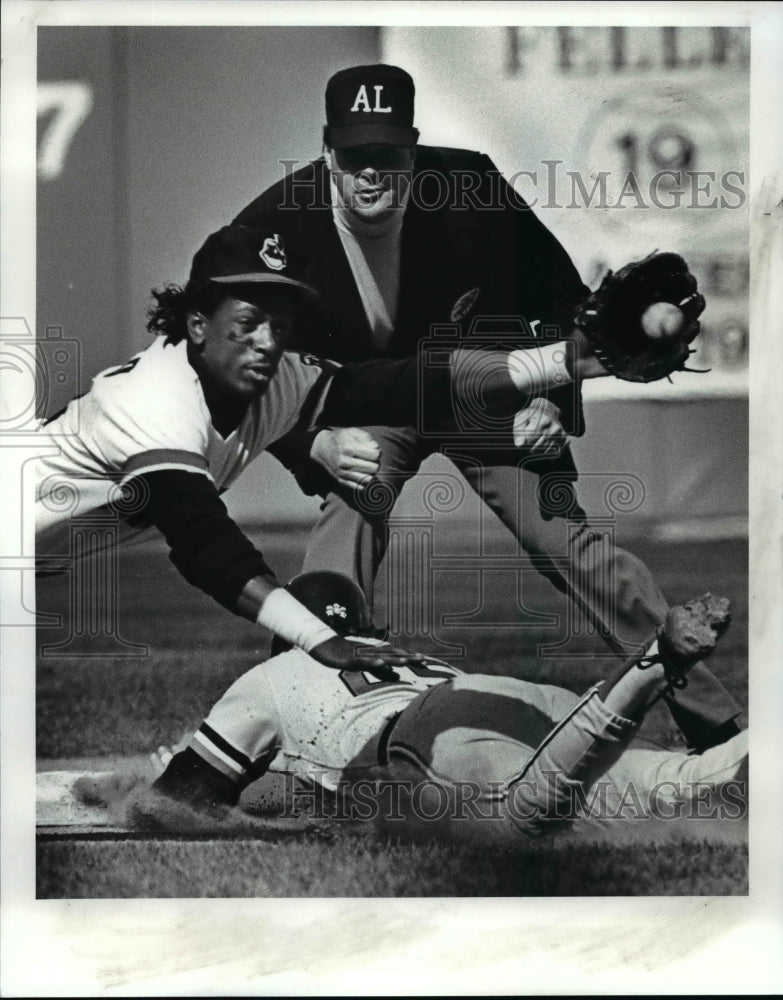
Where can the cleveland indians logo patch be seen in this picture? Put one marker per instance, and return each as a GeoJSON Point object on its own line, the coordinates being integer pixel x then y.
{"type": "Point", "coordinates": [464, 304]}
{"type": "Point", "coordinates": [273, 254]}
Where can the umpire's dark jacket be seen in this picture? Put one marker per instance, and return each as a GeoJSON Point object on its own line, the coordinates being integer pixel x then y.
{"type": "Point", "coordinates": [472, 253]}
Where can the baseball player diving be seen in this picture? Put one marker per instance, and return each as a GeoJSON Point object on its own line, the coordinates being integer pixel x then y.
{"type": "Point", "coordinates": [157, 439]}
{"type": "Point", "coordinates": [497, 755]}
{"type": "Point", "coordinates": [401, 236]}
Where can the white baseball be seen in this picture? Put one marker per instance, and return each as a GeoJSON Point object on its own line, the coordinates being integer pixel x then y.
{"type": "Point", "coordinates": [663, 320]}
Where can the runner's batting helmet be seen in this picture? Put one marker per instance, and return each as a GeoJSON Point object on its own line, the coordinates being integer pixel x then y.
{"type": "Point", "coordinates": [335, 599]}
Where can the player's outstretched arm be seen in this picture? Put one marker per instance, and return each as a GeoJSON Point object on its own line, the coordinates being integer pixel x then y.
{"type": "Point", "coordinates": [393, 392]}
{"type": "Point", "coordinates": [637, 326]}
{"type": "Point", "coordinates": [501, 382]}
{"type": "Point", "coordinates": [214, 554]}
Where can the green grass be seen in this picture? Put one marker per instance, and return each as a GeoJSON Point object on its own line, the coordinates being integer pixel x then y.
{"type": "Point", "coordinates": [124, 707]}
{"type": "Point", "coordinates": [102, 705]}
{"type": "Point", "coordinates": [354, 866]}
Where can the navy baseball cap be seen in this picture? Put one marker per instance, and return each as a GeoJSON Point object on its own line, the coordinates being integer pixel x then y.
{"type": "Point", "coordinates": [237, 255]}
{"type": "Point", "coordinates": [369, 105]}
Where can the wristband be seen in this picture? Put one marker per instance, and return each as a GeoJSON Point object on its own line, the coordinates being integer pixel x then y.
{"type": "Point", "coordinates": [285, 616]}
{"type": "Point", "coordinates": [535, 370]}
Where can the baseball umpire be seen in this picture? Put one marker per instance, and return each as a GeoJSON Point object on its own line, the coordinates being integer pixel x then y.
{"type": "Point", "coordinates": [401, 236]}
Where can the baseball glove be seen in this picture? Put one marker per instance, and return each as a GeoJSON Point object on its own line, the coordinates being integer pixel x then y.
{"type": "Point", "coordinates": [631, 340]}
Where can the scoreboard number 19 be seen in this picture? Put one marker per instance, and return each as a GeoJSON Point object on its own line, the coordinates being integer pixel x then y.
{"type": "Point", "coordinates": [667, 149]}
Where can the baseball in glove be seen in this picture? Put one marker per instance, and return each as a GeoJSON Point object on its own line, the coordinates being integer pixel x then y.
{"type": "Point", "coordinates": [641, 320]}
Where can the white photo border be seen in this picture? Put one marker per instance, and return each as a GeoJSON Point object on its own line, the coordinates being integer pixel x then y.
{"type": "Point", "coordinates": [488, 946]}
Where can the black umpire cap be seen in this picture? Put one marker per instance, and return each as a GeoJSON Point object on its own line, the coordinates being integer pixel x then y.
{"type": "Point", "coordinates": [369, 105]}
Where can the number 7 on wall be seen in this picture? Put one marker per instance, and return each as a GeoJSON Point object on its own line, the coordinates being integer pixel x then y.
{"type": "Point", "coordinates": [71, 102]}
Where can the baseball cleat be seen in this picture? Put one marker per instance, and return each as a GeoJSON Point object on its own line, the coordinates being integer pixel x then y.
{"type": "Point", "coordinates": [690, 633]}
{"type": "Point", "coordinates": [189, 795]}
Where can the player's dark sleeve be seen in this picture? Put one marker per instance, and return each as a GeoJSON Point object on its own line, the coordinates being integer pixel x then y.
{"type": "Point", "coordinates": [293, 451]}
{"type": "Point", "coordinates": [400, 393]}
{"type": "Point", "coordinates": [379, 392]}
{"type": "Point", "coordinates": [206, 546]}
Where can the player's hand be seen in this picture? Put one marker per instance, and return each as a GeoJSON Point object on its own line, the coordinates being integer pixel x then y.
{"type": "Point", "coordinates": [349, 454]}
{"type": "Point", "coordinates": [340, 654]}
{"type": "Point", "coordinates": [538, 429]}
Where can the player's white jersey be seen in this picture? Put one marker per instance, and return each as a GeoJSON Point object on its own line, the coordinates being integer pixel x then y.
{"type": "Point", "coordinates": [151, 414]}
{"type": "Point", "coordinates": [292, 714]}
